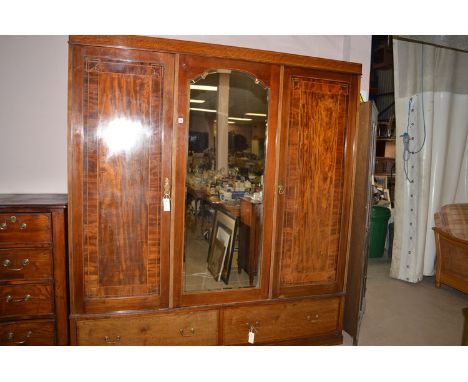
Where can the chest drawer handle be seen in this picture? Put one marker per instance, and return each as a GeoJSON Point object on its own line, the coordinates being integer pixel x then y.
{"type": "Point", "coordinates": [22, 226]}
{"type": "Point", "coordinates": [7, 264]}
{"type": "Point", "coordinates": [3, 226]}
{"type": "Point", "coordinates": [10, 299]}
{"type": "Point", "coordinates": [187, 333]}
{"type": "Point", "coordinates": [313, 318]}
{"type": "Point", "coordinates": [109, 341]}
{"type": "Point", "coordinates": [11, 336]}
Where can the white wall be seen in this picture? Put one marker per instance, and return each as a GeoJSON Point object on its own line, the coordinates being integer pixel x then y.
{"type": "Point", "coordinates": [33, 114]}
{"type": "Point", "coordinates": [33, 98]}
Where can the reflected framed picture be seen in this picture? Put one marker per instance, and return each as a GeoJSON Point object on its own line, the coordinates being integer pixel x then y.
{"type": "Point", "coordinates": [223, 233]}
{"type": "Point", "coordinates": [380, 181]}
{"type": "Point", "coordinates": [217, 256]}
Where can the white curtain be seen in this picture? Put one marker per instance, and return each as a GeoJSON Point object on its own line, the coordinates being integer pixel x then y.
{"type": "Point", "coordinates": [431, 107]}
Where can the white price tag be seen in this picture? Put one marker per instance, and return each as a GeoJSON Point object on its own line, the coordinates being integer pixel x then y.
{"type": "Point", "coordinates": [167, 204]}
{"type": "Point", "coordinates": [251, 339]}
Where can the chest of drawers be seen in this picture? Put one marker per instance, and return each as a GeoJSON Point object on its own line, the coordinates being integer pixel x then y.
{"type": "Point", "coordinates": [33, 287]}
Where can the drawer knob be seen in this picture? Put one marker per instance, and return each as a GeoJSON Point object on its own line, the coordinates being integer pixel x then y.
{"type": "Point", "coordinates": [187, 333]}
{"type": "Point", "coordinates": [13, 219]}
{"type": "Point", "coordinates": [3, 226]}
{"type": "Point", "coordinates": [7, 265]}
{"type": "Point", "coordinates": [110, 341]}
{"type": "Point", "coordinates": [10, 299]}
{"type": "Point", "coordinates": [22, 226]}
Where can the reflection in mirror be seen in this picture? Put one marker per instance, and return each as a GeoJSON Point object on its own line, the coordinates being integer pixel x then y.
{"type": "Point", "coordinates": [224, 189]}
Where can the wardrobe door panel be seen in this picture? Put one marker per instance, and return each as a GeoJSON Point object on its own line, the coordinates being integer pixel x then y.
{"type": "Point", "coordinates": [125, 151]}
{"type": "Point", "coordinates": [314, 181]}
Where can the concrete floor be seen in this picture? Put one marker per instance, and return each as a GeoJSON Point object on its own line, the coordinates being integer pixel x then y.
{"type": "Point", "coordinates": [400, 313]}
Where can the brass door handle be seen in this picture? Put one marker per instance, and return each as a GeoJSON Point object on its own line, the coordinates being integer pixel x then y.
{"type": "Point", "coordinates": [10, 299]}
{"type": "Point", "coordinates": [7, 264]}
{"type": "Point", "coordinates": [190, 333]}
{"type": "Point", "coordinates": [281, 189]}
{"type": "Point", "coordinates": [109, 341]}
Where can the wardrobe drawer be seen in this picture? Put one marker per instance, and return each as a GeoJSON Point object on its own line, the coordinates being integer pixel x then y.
{"type": "Point", "coordinates": [25, 228]}
{"type": "Point", "coordinates": [280, 321]}
{"type": "Point", "coordinates": [23, 263]}
{"type": "Point", "coordinates": [182, 328]}
{"type": "Point", "coordinates": [34, 332]}
{"type": "Point", "coordinates": [26, 299]}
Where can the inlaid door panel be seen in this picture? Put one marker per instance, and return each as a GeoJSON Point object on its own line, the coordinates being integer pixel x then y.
{"type": "Point", "coordinates": [122, 158]}
{"type": "Point", "coordinates": [314, 181]}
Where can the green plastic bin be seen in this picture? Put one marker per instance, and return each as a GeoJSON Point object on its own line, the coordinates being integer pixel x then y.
{"type": "Point", "coordinates": [378, 234]}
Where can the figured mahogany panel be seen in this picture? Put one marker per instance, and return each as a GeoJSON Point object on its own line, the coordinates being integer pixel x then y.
{"type": "Point", "coordinates": [312, 175]}
{"type": "Point", "coordinates": [123, 143]}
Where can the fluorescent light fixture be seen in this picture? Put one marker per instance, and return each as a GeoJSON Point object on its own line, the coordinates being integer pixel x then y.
{"type": "Point", "coordinates": [205, 110]}
{"type": "Point", "coordinates": [256, 114]}
{"type": "Point", "coordinates": [231, 123]}
{"type": "Point", "coordinates": [204, 87]}
{"type": "Point", "coordinates": [239, 119]}
{"type": "Point", "coordinates": [197, 100]}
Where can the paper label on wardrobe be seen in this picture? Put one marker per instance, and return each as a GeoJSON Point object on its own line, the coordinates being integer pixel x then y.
{"type": "Point", "coordinates": [167, 204]}
{"type": "Point", "coordinates": [251, 339]}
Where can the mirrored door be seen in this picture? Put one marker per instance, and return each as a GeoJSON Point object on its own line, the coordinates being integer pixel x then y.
{"type": "Point", "coordinates": [224, 144]}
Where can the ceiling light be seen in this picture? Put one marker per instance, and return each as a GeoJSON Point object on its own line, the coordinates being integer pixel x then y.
{"type": "Point", "coordinates": [204, 87]}
{"type": "Point", "coordinates": [206, 110]}
{"type": "Point", "coordinates": [240, 119]}
{"type": "Point", "coordinates": [197, 100]}
{"type": "Point", "coordinates": [256, 114]}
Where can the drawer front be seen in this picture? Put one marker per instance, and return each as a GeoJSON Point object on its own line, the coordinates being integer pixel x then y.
{"type": "Point", "coordinates": [16, 264]}
{"type": "Point", "coordinates": [183, 328]}
{"type": "Point", "coordinates": [25, 228]}
{"type": "Point", "coordinates": [27, 299]}
{"type": "Point", "coordinates": [34, 332]}
{"type": "Point", "coordinates": [281, 321]}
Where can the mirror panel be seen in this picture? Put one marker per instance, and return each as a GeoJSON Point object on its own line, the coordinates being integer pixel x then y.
{"type": "Point", "coordinates": [224, 183]}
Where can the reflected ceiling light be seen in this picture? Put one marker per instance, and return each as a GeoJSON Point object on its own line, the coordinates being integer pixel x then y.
{"type": "Point", "coordinates": [256, 114]}
{"type": "Point", "coordinates": [231, 123]}
{"type": "Point", "coordinates": [197, 100]}
{"type": "Point", "coordinates": [204, 87]}
{"type": "Point", "coordinates": [240, 119]}
{"type": "Point", "coordinates": [122, 135]}
{"type": "Point", "coordinates": [206, 110]}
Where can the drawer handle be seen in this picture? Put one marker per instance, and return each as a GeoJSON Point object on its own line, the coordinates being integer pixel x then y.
{"type": "Point", "coordinates": [7, 264]}
{"type": "Point", "coordinates": [253, 327]}
{"type": "Point", "coordinates": [109, 341]}
{"type": "Point", "coordinates": [22, 226]}
{"type": "Point", "coordinates": [187, 333]}
{"type": "Point", "coordinates": [315, 318]}
{"type": "Point", "coordinates": [10, 299]}
{"type": "Point", "coordinates": [13, 219]}
{"type": "Point", "coordinates": [11, 336]}
{"type": "Point", "coordinates": [3, 226]}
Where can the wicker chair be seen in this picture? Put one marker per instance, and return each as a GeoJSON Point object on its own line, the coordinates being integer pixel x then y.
{"type": "Point", "coordinates": [451, 235]}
